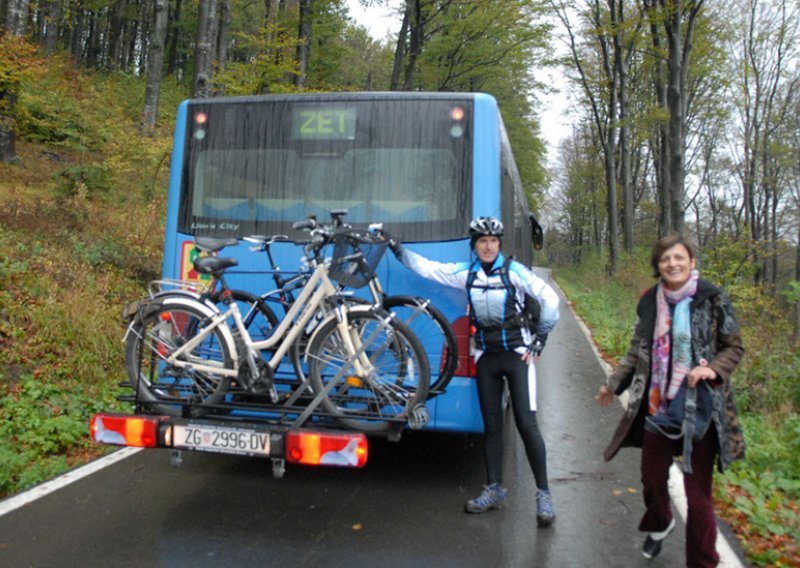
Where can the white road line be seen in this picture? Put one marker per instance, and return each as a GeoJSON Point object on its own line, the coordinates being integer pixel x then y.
{"type": "Point", "coordinates": [17, 501]}
{"type": "Point", "coordinates": [727, 557]}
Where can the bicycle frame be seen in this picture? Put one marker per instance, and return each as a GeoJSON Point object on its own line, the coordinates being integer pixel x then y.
{"type": "Point", "coordinates": [318, 288]}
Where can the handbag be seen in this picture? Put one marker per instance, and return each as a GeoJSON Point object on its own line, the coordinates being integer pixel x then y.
{"type": "Point", "coordinates": [688, 416]}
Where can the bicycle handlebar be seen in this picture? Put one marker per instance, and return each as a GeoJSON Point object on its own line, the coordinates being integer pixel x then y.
{"type": "Point", "coordinates": [310, 223]}
{"type": "Point", "coordinates": [321, 235]}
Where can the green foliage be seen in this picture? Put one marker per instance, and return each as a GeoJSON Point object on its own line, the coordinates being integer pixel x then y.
{"type": "Point", "coordinates": [83, 179]}
{"type": "Point", "coordinates": [767, 378]}
{"type": "Point", "coordinates": [767, 486]}
{"type": "Point", "coordinates": [47, 114]}
{"type": "Point", "coordinates": [17, 62]}
{"type": "Point", "coordinates": [491, 47]}
{"type": "Point", "coordinates": [792, 293]}
{"type": "Point", "coordinates": [69, 263]}
{"type": "Point", "coordinates": [607, 305]}
{"type": "Point", "coordinates": [39, 424]}
{"type": "Point", "coordinates": [773, 448]}
{"type": "Point", "coordinates": [343, 57]}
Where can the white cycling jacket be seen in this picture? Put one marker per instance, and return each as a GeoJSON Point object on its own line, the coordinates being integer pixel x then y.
{"type": "Point", "coordinates": [488, 294]}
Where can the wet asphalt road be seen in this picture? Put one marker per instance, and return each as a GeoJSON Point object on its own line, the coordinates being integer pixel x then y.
{"type": "Point", "coordinates": [403, 509]}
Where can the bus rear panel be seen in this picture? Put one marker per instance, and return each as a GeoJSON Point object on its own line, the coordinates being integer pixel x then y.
{"type": "Point", "coordinates": [423, 164]}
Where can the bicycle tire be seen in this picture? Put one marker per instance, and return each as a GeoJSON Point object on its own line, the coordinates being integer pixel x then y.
{"type": "Point", "coordinates": [435, 333]}
{"type": "Point", "coordinates": [398, 384]}
{"type": "Point", "coordinates": [168, 390]}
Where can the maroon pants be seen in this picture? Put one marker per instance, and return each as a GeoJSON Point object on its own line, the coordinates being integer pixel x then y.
{"type": "Point", "coordinates": [701, 525]}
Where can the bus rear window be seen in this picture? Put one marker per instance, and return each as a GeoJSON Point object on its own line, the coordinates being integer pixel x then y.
{"type": "Point", "coordinates": [256, 166]}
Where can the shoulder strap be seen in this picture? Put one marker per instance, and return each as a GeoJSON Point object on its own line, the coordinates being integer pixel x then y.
{"type": "Point", "coordinates": [504, 276]}
{"type": "Point", "coordinates": [470, 284]}
{"type": "Point", "coordinates": [471, 275]}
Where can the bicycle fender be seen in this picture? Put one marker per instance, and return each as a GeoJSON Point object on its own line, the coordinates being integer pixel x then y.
{"type": "Point", "coordinates": [208, 309]}
{"type": "Point", "coordinates": [186, 294]}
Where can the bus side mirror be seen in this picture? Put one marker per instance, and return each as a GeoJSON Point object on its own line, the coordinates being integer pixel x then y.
{"type": "Point", "coordinates": [537, 234]}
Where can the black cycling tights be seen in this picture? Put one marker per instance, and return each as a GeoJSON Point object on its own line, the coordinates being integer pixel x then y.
{"type": "Point", "coordinates": [491, 368]}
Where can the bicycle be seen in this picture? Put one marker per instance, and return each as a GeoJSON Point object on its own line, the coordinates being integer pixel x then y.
{"type": "Point", "coordinates": [366, 369]}
{"type": "Point", "coordinates": [426, 321]}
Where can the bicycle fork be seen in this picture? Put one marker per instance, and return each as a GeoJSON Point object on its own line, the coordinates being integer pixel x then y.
{"type": "Point", "coordinates": [353, 344]}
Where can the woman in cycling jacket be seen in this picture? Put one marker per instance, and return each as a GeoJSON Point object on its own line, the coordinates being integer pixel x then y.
{"type": "Point", "coordinates": [504, 348]}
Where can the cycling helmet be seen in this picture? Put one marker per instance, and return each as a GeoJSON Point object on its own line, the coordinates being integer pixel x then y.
{"type": "Point", "coordinates": [483, 227]}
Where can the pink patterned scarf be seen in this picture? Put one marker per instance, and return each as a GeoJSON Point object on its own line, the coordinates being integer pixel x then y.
{"type": "Point", "coordinates": [674, 346]}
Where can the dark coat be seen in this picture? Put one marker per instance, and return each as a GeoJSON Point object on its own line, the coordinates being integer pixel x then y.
{"type": "Point", "coordinates": [715, 339]}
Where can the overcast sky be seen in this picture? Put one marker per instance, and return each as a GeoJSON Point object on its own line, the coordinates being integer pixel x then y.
{"type": "Point", "coordinates": [555, 125]}
{"type": "Point", "coordinates": [378, 20]}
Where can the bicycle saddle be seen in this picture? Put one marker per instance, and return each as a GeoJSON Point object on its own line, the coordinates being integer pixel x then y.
{"type": "Point", "coordinates": [212, 244]}
{"type": "Point", "coordinates": [213, 264]}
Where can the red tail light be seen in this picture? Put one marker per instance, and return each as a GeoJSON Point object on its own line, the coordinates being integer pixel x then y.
{"type": "Point", "coordinates": [124, 430]}
{"type": "Point", "coordinates": [322, 448]}
{"type": "Point", "coordinates": [463, 331]}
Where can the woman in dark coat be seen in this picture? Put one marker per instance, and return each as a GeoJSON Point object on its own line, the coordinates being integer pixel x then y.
{"type": "Point", "coordinates": [685, 331]}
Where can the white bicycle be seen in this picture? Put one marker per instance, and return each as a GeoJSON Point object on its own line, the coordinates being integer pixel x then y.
{"type": "Point", "coordinates": [186, 356]}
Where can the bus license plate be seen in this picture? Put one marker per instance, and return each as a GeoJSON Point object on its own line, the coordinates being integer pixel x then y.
{"type": "Point", "coordinates": [220, 439]}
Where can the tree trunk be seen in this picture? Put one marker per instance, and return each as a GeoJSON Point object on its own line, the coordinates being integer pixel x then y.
{"type": "Point", "coordinates": [222, 33]}
{"type": "Point", "coordinates": [155, 63]}
{"type": "Point", "coordinates": [613, 221]}
{"type": "Point", "coordinates": [95, 39]}
{"type": "Point", "coordinates": [174, 36]}
{"type": "Point", "coordinates": [270, 19]}
{"type": "Point", "coordinates": [415, 45]}
{"type": "Point", "coordinates": [117, 37]}
{"type": "Point", "coordinates": [679, 45]}
{"type": "Point", "coordinates": [797, 278]}
{"type": "Point", "coordinates": [621, 62]}
{"type": "Point", "coordinates": [52, 23]}
{"type": "Point", "coordinates": [203, 48]}
{"type": "Point", "coordinates": [133, 29]}
{"type": "Point", "coordinates": [400, 50]}
{"type": "Point", "coordinates": [673, 26]}
{"type": "Point", "coordinates": [660, 138]}
{"type": "Point", "coordinates": [8, 152]}
{"type": "Point", "coordinates": [303, 43]}
{"type": "Point", "coordinates": [17, 16]}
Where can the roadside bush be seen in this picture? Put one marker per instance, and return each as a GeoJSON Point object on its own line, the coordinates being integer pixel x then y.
{"type": "Point", "coordinates": [763, 491]}
{"type": "Point", "coordinates": [42, 424]}
{"type": "Point", "coordinates": [608, 305]}
{"type": "Point", "coordinates": [83, 179]}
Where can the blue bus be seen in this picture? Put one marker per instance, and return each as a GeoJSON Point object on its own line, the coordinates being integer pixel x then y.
{"type": "Point", "coordinates": [423, 164]}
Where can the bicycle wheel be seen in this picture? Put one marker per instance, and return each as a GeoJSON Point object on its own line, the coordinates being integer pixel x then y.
{"type": "Point", "coordinates": [435, 333]}
{"type": "Point", "coordinates": [297, 351]}
{"type": "Point", "coordinates": [389, 391]}
{"type": "Point", "coordinates": [167, 389]}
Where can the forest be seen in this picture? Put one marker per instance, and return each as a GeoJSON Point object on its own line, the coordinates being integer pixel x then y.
{"type": "Point", "coordinates": [685, 116]}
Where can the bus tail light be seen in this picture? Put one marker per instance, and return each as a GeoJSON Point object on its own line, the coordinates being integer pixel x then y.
{"type": "Point", "coordinates": [321, 448]}
{"type": "Point", "coordinates": [466, 364]}
{"type": "Point", "coordinates": [125, 430]}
